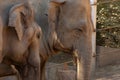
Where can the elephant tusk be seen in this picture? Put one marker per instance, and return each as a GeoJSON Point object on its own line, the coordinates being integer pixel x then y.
{"type": "Point", "coordinates": [77, 61]}
{"type": "Point", "coordinates": [78, 69]}
{"type": "Point", "coordinates": [75, 55]}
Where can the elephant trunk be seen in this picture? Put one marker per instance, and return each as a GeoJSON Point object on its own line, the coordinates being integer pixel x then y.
{"type": "Point", "coordinates": [87, 67]}
{"type": "Point", "coordinates": [84, 62]}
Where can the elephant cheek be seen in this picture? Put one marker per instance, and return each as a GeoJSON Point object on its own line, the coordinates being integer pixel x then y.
{"type": "Point", "coordinates": [68, 40]}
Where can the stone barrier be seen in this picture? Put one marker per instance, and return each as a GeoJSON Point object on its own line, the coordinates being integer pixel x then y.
{"type": "Point", "coordinates": [107, 56]}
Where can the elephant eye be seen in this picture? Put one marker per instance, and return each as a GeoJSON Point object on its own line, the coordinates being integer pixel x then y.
{"type": "Point", "coordinates": [77, 32]}
{"type": "Point", "coordinates": [38, 35]}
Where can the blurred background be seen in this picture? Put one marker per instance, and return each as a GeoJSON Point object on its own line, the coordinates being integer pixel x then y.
{"type": "Point", "coordinates": [108, 23]}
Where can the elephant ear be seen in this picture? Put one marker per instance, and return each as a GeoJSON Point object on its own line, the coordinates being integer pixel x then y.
{"type": "Point", "coordinates": [15, 19]}
{"type": "Point", "coordinates": [53, 12]}
{"type": "Point", "coordinates": [53, 15]}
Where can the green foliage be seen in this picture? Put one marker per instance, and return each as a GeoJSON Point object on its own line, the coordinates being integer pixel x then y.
{"type": "Point", "coordinates": [108, 17]}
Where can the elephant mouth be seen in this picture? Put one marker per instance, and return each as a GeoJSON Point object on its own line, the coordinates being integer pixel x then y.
{"type": "Point", "coordinates": [71, 50]}
{"type": "Point", "coordinates": [74, 53]}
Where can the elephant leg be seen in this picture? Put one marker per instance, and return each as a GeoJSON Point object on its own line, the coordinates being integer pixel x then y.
{"type": "Point", "coordinates": [16, 72]}
{"type": "Point", "coordinates": [19, 72]}
{"type": "Point", "coordinates": [26, 72]}
{"type": "Point", "coordinates": [1, 40]}
{"type": "Point", "coordinates": [29, 73]}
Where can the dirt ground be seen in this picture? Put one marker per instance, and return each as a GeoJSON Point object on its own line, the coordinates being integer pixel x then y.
{"type": "Point", "coordinates": [60, 58]}
{"type": "Point", "coordinates": [111, 72]}
{"type": "Point", "coordinates": [108, 73]}
{"type": "Point", "coordinates": [105, 73]}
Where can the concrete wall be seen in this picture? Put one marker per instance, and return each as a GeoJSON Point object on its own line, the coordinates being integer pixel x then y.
{"type": "Point", "coordinates": [107, 56]}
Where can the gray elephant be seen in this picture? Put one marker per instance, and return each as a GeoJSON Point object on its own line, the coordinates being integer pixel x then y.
{"type": "Point", "coordinates": [20, 39]}
{"type": "Point", "coordinates": [66, 27]}
{"type": "Point", "coordinates": [69, 29]}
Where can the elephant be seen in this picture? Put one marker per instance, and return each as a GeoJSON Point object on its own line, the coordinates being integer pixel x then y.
{"type": "Point", "coordinates": [20, 39]}
{"type": "Point", "coordinates": [67, 26]}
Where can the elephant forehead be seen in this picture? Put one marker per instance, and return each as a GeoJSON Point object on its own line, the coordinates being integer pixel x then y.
{"type": "Point", "coordinates": [80, 21]}
{"type": "Point", "coordinates": [76, 15]}
{"type": "Point", "coordinates": [72, 22]}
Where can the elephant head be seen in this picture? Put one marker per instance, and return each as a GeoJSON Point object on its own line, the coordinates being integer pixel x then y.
{"type": "Point", "coordinates": [70, 20]}
{"type": "Point", "coordinates": [21, 16]}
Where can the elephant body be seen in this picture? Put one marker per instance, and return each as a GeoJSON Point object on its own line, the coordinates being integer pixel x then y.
{"type": "Point", "coordinates": [68, 29]}
{"type": "Point", "coordinates": [20, 39]}
{"type": "Point", "coordinates": [12, 46]}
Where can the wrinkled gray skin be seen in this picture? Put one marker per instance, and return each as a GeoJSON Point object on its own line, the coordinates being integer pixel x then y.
{"type": "Point", "coordinates": [20, 39]}
{"type": "Point", "coordinates": [69, 30]}
{"type": "Point", "coordinates": [72, 31]}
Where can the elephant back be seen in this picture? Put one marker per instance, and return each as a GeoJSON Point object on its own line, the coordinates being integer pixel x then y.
{"type": "Point", "coordinates": [5, 6]}
{"type": "Point", "coordinates": [41, 13]}
{"type": "Point", "coordinates": [40, 8]}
